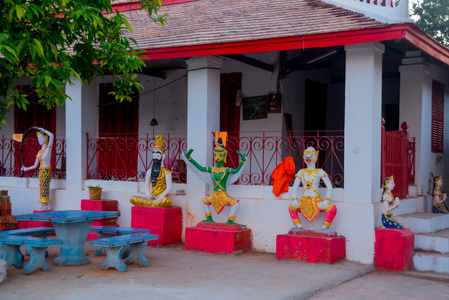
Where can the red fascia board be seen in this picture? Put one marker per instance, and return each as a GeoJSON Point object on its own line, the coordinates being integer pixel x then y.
{"type": "Point", "coordinates": [424, 42]}
{"type": "Point", "coordinates": [121, 7]}
{"type": "Point", "coordinates": [280, 44]}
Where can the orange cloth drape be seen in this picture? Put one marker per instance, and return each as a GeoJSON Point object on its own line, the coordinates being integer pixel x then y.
{"type": "Point", "coordinates": [282, 175]}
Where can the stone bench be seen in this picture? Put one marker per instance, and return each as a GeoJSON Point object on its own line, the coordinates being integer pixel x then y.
{"type": "Point", "coordinates": [108, 231]}
{"type": "Point", "coordinates": [115, 246]}
{"type": "Point", "coordinates": [37, 231]}
{"type": "Point", "coordinates": [36, 246]}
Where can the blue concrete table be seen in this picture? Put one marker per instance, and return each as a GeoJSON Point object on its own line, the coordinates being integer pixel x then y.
{"type": "Point", "coordinates": [72, 227]}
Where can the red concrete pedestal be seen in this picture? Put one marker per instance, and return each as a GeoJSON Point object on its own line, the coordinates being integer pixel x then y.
{"type": "Point", "coordinates": [100, 205]}
{"type": "Point", "coordinates": [218, 238]}
{"type": "Point", "coordinates": [311, 246]}
{"type": "Point", "coordinates": [393, 249]}
{"type": "Point", "coordinates": [165, 222]}
{"type": "Point", "coordinates": [34, 224]}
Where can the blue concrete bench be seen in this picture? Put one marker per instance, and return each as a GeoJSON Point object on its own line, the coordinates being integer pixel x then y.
{"type": "Point", "coordinates": [115, 246]}
{"type": "Point", "coordinates": [37, 231]}
{"type": "Point", "coordinates": [108, 231]}
{"type": "Point", "coordinates": [37, 248]}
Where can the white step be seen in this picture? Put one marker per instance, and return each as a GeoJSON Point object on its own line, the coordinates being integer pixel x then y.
{"type": "Point", "coordinates": [433, 262]}
{"type": "Point", "coordinates": [420, 222]}
{"type": "Point", "coordinates": [436, 242]}
{"type": "Point", "coordinates": [410, 205]}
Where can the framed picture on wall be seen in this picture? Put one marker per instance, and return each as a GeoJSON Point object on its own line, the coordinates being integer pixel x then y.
{"type": "Point", "coordinates": [274, 103]}
{"type": "Point", "coordinates": [255, 107]}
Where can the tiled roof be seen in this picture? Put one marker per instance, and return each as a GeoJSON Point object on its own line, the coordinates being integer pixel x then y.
{"type": "Point", "coordinates": [206, 22]}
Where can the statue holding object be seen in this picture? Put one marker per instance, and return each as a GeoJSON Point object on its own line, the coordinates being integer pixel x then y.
{"type": "Point", "coordinates": [389, 204]}
{"type": "Point", "coordinates": [158, 180]}
{"type": "Point", "coordinates": [45, 139]}
{"type": "Point", "coordinates": [438, 197]}
{"type": "Point", "coordinates": [311, 203]}
{"type": "Point", "coordinates": [219, 177]}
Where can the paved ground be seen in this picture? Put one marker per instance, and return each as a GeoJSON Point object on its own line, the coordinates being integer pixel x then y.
{"type": "Point", "coordinates": [175, 273]}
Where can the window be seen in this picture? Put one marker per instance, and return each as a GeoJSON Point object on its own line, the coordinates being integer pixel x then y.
{"type": "Point", "coordinates": [437, 116]}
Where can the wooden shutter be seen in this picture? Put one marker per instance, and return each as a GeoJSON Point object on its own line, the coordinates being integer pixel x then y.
{"type": "Point", "coordinates": [437, 116]}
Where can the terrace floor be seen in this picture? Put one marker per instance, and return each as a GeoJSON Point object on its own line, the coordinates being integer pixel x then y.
{"type": "Point", "coordinates": [175, 273]}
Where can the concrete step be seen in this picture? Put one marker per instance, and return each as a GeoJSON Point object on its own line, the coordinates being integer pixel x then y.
{"type": "Point", "coordinates": [435, 242]}
{"type": "Point", "coordinates": [420, 222]}
{"type": "Point", "coordinates": [431, 262]}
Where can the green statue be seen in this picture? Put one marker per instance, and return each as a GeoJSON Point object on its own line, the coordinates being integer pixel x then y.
{"type": "Point", "coordinates": [220, 178]}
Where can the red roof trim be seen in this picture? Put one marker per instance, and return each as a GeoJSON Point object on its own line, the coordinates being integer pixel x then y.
{"type": "Point", "coordinates": [279, 44]}
{"type": "Point", "coordinates": [424, 42]}
{"type": "Point", "coordinates": [121, 7]}
{"type": "Point", "coordinates": [410, 32]}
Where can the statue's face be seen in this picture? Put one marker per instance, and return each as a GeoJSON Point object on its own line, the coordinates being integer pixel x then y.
{"type": "Point", "coordinates": [440, 182]}
{"type": "Point", "coordinates": [41, 140]}
{"type": "Point", "coordinates": [157, 154]}
{"type": "Point", "coordinates": [219, 155]}
{"type": "Point", "coordinates": [310, 157]}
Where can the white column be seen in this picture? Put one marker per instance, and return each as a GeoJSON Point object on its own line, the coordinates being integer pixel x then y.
{"type": "Point", "coordinates": [81, 117]}
{"type": "Point", "coordinates": [414, 88]}
{"type": "Point", "coordinates": [363, 105]}
{"type": "Point", "coordinates": [363, 89]}
{"type": "Point", "coordinates": [203, 114]}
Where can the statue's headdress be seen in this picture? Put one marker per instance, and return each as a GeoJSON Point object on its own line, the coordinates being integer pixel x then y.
{"type": "Point", "coordinates": [387, 181]}
{"type": "Point", "coordinates": [220, 142]}
{"type": "Point", "coordinates": [435, 180]}
{"type": "Point", "coordinates": [159, 144]}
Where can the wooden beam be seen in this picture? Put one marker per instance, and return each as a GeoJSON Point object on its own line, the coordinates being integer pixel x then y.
{"type": "Point", "coordinates": [251, 61]}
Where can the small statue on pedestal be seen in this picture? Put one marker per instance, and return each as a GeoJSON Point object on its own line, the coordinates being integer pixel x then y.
{"type": "Point", "coordinates": [311, 203]}
{"type": "Point", "coordinates": [158, 180]}
{"type": "Point", "coordinates": [389, 204]}
{"type": "Point", "coordinates": [438, 197]}
{"type": "Point", "coordinates": [220, 178]}
{"type": "Point", "coordinates": [45, 139]}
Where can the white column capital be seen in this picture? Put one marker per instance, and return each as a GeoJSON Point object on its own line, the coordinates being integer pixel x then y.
{"type": "Point", "coordinates": [210, 62]}
{"type": "Point", "coordinates": [366, 46]}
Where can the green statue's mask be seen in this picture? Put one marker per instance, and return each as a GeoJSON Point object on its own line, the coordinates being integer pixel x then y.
{"type": "Point", "coordinates": [220, 154]}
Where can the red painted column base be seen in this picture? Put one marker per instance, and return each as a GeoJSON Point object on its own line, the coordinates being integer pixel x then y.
{"type": "Point", "coordinates": [165, 222]}
{"type": "Point", "coordinates": [100, 205]}
{"type": "Point", "coordinates": [311, 246]}
{"type": "Point", "coordinates": [220, 238]}
{"type": "Point", "coordinates": [393, 249]}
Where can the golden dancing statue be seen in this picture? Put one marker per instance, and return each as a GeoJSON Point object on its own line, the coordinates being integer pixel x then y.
{"type": "Point", "coordinates": [158, 180]}
{"type": "Point", "coordinates": [45, 139]}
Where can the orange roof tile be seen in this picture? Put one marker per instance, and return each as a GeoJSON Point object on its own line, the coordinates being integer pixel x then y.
{"type": "Point", "coordinates": [206, 22]}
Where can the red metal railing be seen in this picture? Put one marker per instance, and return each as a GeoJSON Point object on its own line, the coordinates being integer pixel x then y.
{"type": "Point", "coordinates": [126, 157]}
{"type": "Point", "coordinates": [266, 149]}
{"type": "Point", "coordinates": [398, 159]}
{"type": "Point", "coordinates": [117, 157]}
{"type": "Point", "coordinates": [10, 159]}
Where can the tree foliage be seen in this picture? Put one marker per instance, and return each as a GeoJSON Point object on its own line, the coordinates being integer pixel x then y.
{"type": "Point", "coordinates": [51, 40]}
{"type": "Point", "coordinates": [433, 18]}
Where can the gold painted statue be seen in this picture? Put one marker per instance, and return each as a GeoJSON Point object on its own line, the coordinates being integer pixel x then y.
{"type": "Point", "coordinates": [158, 180]}
{"type": "Point", "coordinates": [438, 197]}
{"type": "Point", "coordinates": [389, 204]}
{"type": "Point", "coordinates": [45, 139]}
